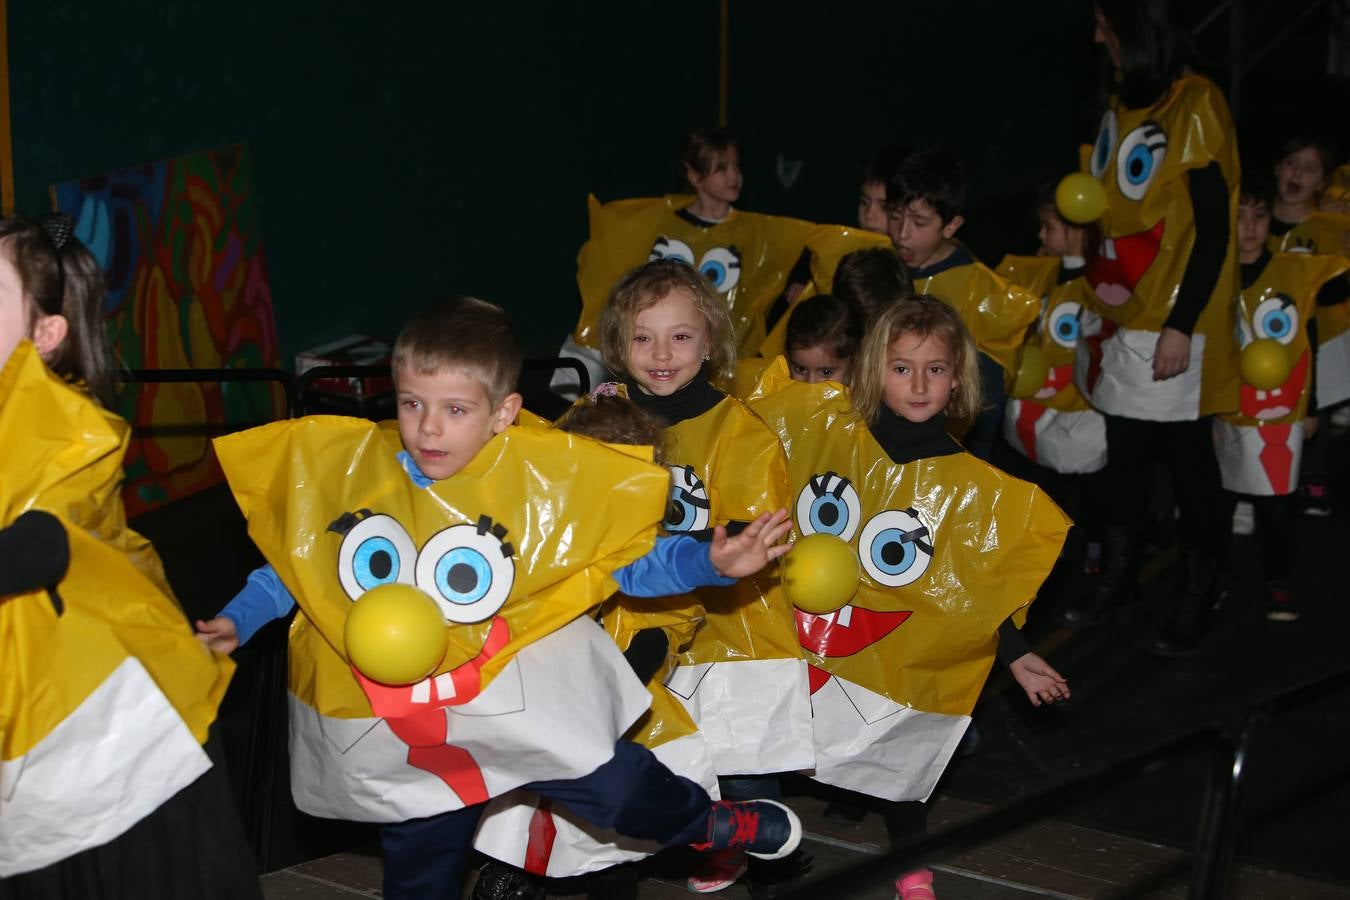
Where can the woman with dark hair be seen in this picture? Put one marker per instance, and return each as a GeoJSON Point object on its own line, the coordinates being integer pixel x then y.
{"type": "Point", "coordinates": [1158, 355]}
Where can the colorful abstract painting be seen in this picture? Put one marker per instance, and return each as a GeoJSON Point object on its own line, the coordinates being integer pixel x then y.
{"type": "Point", "coordinates": [181, 245]}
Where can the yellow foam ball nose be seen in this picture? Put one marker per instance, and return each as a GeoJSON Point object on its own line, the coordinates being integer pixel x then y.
{"type": "Point", "coordinates": [1265, 364]}
{"type": "Point", "coordinates": [1032, 367]}
{"type": "Point", "coordinates": [1080, 198]}
{"type": "Point", "coordinates": [395, 634]}
{"type": "Point", "coordinates": [820, 574]}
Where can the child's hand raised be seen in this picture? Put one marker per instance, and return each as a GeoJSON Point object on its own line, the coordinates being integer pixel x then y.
{"type": "Point", "coordinates": [751, 550]}
{"type": "Point", "coordinates": [219, 634]}
{"type": "Point", "coordinates": [1042, 683]}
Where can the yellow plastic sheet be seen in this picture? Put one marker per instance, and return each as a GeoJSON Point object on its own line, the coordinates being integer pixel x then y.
{"type": "Point", "coordinates": [1143, 157]}
{"type": "Point", "coordinates": [541, 518]}
{"type": "Point", "coordinates": [1056, 329]}
{"type": "Point", "coordinates": [63, 455]}
{"type": "Point", "coordinates": [747, 258]}
{"type": "Point", "coordinates": [996, 312]}
{"type": "Point", "coordinates": [950, 547]}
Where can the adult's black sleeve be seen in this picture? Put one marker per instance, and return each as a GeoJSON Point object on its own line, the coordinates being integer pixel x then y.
{"type": "Point", "coordinates": [1209, 201]}
{"type": "Point", "coordinates": [1011, 645]}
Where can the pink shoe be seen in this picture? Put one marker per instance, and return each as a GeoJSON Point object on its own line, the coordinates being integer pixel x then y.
{"type": "Point", "coordinates": [916, 885]}
{"type": "Point", "coordinates": [717, 870]}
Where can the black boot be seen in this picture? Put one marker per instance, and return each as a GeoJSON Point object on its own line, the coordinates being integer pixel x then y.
{"type": "Point", "coordinates": [499, 881]}
{"type": "Point", "coordinates": [1190, 620]}
{"type": "Point", "coordinates": [1116, 585]}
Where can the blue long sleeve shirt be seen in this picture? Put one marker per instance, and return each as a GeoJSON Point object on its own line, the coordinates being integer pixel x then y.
{"type": "Point", "coordinates": [675, 565]}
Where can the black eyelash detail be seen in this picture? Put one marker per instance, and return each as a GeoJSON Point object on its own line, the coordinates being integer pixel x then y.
{"type": "Point", "coordinates": [486, 525]}
{"type": "Point", "coordinates": [347, 521]}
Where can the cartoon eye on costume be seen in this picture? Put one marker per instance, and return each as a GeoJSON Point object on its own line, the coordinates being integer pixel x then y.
{"type": "Point", "coordinates": [1139, 159]}
{"type": "Point", "coordinates": [1242, 330]}
{"type": "Point", "coordinates": [895, 547]}
{"type": "Point", "coordinates": [1276, 318]}
{"type": "Point", "coordinates": [1105, 143]}
{"type": "Point", "coordinates": [467, 570]}
{"type": "Point", "coordinates": [375, 551]}
{"type": "Point", "coordinates": [1063, 323]}
{"type": "Point", "coordinates": [829, 504]}
{"type": "Point", "coordinates": [670, 248]}
{"type": "Point", "coordinates": [722, 267]}
{"type": "Point", "coordinates": [689, 508]}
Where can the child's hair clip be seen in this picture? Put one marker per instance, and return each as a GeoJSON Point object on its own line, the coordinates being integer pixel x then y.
{"type": "Point", "coordinates": [57, 226]}
{"type": "Point", "coordinates": [605, 389]}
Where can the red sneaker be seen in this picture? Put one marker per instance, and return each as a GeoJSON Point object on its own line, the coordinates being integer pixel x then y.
{"type": "Point", "coordinates": [717, 870]}
{"type": "Point", "coordinates": [917, 885]}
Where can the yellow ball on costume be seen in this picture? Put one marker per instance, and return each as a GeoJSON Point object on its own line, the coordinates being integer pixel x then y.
{"type": "Point", "coordinates": [395, 634]}
{"type": "Point", "coordinates": [820, 574]}
{"type": "Point", "coordinates": [1080, 198]}
{"type": "Point", "coordinates": [1032, 368]}
{"type": "Point", "coordinates": [1265, 364]}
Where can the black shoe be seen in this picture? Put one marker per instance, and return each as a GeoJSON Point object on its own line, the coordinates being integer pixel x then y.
{"type": "Point", "coordinates": [1116, 586]}
{"type": "Point", "coordinates": [498, 881]}
{"type": "Point", "coordinates": [1189, 622]}
{"type": "Point", "coordinates": [841, 810]}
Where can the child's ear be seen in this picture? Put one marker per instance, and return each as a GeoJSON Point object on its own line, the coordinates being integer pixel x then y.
{"type": "Point", "coordinates": [954, 223]}
{"type": "Point", "coordinates": [49, 332]}
{"type": "Point", "coordinates": [690, 175]}
{"type": "Point", "coordinates": [506, 413]}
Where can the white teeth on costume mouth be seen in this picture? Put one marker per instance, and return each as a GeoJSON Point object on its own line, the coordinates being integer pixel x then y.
{"type": "Point", "coordinates": [421, 692]}
{"type": "Point", "coordinates": [1109, 248]}
{"type": "Point", "coordinates": [1260, 395]}
{"type": "Point", "coordinates": [845, 616]}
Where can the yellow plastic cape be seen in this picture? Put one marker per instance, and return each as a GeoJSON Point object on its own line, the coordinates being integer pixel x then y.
{"type": "Point", "coordinates": [828, 245]}
{"type": "Point", "coordinates": [1056, 329]}
{"type": "Point", "coordinates": [1143, 157]}
{"type": "Point", "coordinates": [727, 466]}
{"type": "Point", "coordinates": [1277, 307]}
{"type": "Point", "coordinates": [975, 545]}
{"type": "Point", "coordinates": [63, 455]}
{"type": "Point", "coordinates": [747, 258]}
{"type": "Point", "coordinates": [996, 312]}
{"type": "Point", "coordinates": [542, 517]}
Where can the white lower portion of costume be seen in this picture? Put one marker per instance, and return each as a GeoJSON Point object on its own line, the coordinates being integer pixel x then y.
{"type": "Point", "coordinates": [109, 764]}
{"type": "Point", "coordinates": [553, 841]}
{"type": "Point", "coordinates": [1263, 461]}
{"type": "Point", "coordinates": [869, 743]}
{"type": "Point", "coordinates": [554, 712]}
{"type": "Point", "coordinates": [564, 382]}
{"type": "Point", "coordinates": [1073, 443]}
{"type": "Point", "coordinates": [1124, 386]}
{"type": "Point", "coordinates": [1333, 371]}
{"type": "Point", "coordinates": [755, 714]}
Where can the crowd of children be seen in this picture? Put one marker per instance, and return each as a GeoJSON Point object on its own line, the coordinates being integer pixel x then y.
{"type": "Point", "coordinates": [629, 664]}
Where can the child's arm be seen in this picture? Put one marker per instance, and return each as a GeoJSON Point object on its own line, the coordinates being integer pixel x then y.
{"type": "Point", "coordinates": [1041, 682]}
{"type": "Point", "coordinates": [680, 563]}
{"type": "Point", "coordinates": [263, 599]}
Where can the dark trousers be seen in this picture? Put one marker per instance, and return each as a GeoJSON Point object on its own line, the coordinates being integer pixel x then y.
{"type": "Point", "coordinates": [1275, 521]}
{"type": "Point", "coordinates": [633, 793]}
{"type": "Point", "coordinates": [1186, 449]}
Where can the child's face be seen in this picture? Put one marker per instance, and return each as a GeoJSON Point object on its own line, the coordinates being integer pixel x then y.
{"type": "Point", "coordinates": [919, 376]}
{"type": "Point", "coordinates": [723, 181]}
{"type": "Point", "coordinates": [872, 207]}
{"type": "Point", "coordinates": [670, 338]}
{"type": "Point", "coordinates": [1300, 177]}
{"type": "Point", "coordinates": [816, 364]}
{"type": "Point", "coordinates": [918, 232]}
{"type": "Point", "coordinates": [1253, 227]}
{"type": "Point", "coordinates": [1056, 235]}
{"type": "Point", "coordinates": [13, 309]}
{"type": "Point", "coordinates": [445, 418]}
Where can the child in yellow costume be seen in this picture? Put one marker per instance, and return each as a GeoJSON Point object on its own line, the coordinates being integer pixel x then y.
{"type": "Point", "coordinates": [107, 700]}
{"type": "Point", "coordinates": [926, 197]}
{"type": "Point", "coordinates": [1048, 421]}
{"type": "Point", "coordinates": [1164, 356]}
{"type": "Point", "coordinates": [950, 549]}
{"type": "Point", "coordinates": [1260, 446]}
{"type": "Point", "coordinates": [742, 677]}
{"type": "Point", "coordinates": [515, 533]}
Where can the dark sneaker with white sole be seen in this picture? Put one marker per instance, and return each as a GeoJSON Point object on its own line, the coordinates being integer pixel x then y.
{"type": "Point", "coordinates": [762, 828]}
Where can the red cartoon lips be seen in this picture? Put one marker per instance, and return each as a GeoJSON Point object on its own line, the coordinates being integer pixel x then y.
{"type": "Point", "coordinates": [1278, 402]}
{"type": "Point", "coordinates": [847, 630]}
{"type": "Point", "coordinates": [1121, 262]}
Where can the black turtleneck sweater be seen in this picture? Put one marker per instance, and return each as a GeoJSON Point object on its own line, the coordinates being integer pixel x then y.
{"type": "Point", "coordinates": [689, 402]}
{"type": "Point", "coordinates": [904, 442]}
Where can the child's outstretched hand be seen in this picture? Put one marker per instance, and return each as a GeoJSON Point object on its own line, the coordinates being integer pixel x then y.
{"type": "Point", "coordinates": [219, 634]}
{"type": "Point", "coordinates": [751, 550]}
{"type": "Point", "coordinates": [1042, 683]}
